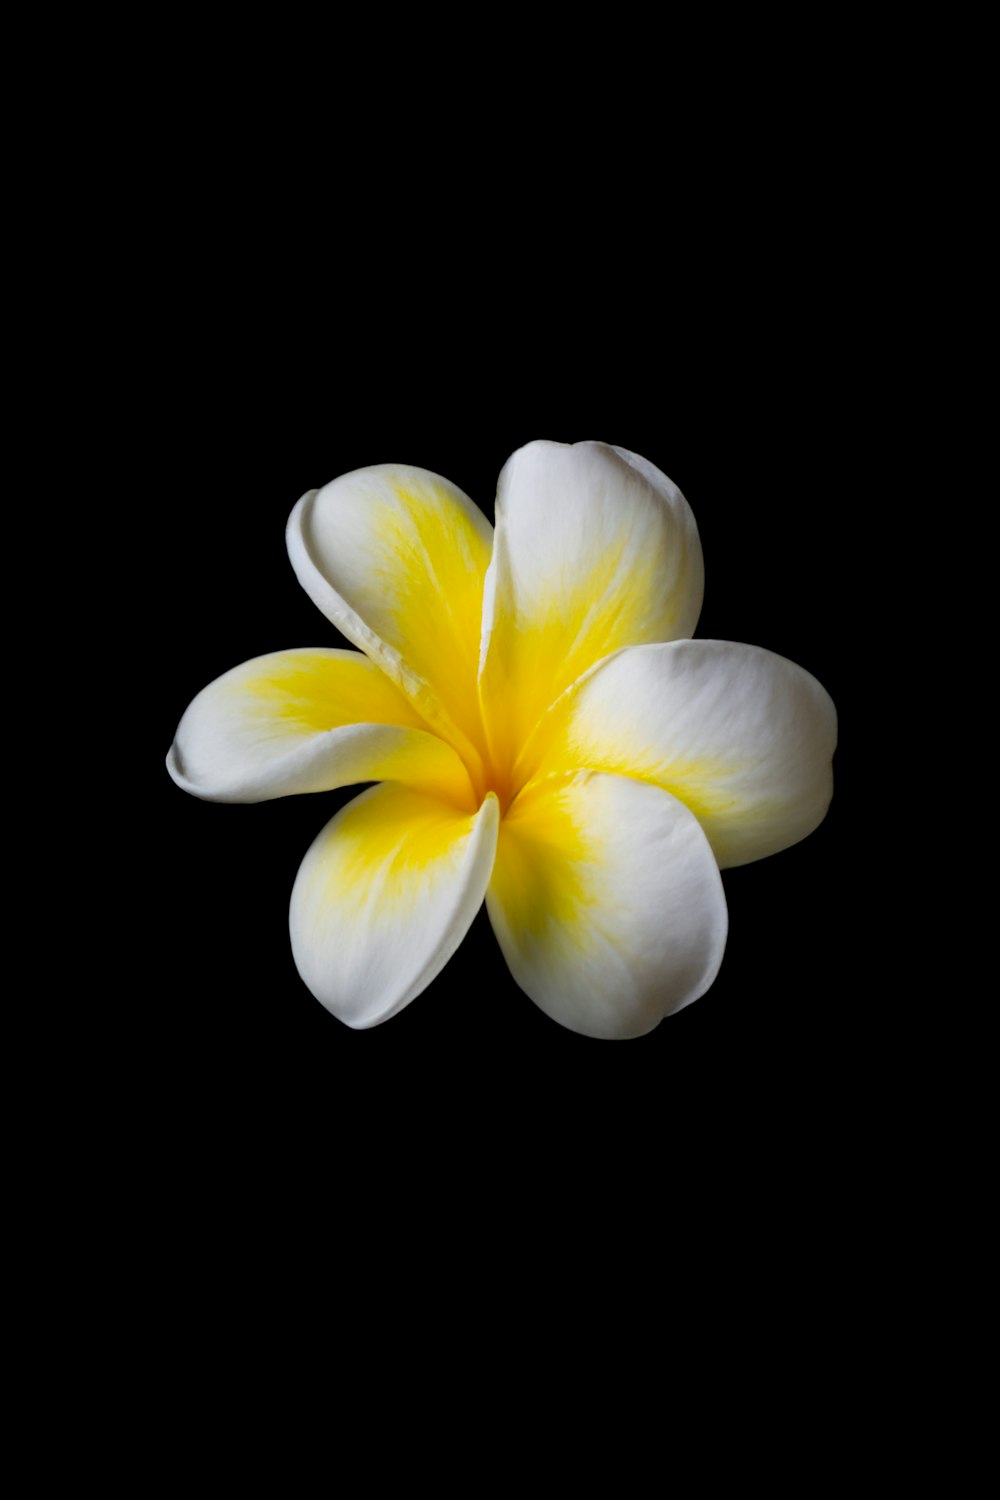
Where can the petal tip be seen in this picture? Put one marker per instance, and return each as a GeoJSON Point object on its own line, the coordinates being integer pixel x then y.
{"type": "Point", "coordinates": [176, 770]}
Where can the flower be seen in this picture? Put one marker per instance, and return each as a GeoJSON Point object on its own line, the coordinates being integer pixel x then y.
{"type": "Point", "coordinates": [546, 734]}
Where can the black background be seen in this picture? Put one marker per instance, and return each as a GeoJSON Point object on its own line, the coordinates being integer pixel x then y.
{"type": "Point", "coordinates": [725, 382]}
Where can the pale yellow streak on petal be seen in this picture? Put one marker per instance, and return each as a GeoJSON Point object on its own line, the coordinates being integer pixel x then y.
{"type": "Point", "coordinates": [387, 847]}
{"type": "Point", "coordinates": [561, 747]}
{"type": "Point", "coordinates": [534, 657]}
{"type": "Point", "coordinates": [606, 902]}
{"type": "Point", "coordinates": [431, 562]}
{"type": "Point", "coordinates": [384, 897]}
{"type": "Point", "coordinates": [699, 784]}
{"type": "Point", "coordinates": [545, 872]}
{"type": "Point", "coordinates": [299, 694]}
{"type": "Point", "coordinates": [594, 550]}
{"type": "Point", "coordinates": [740, 736]}
{"type": "Point", "coordinates": [307, 691]}
{"type": "Point", "coordinates": [396, 558]}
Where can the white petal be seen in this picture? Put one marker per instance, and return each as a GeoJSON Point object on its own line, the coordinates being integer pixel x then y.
{"type": "Point", "coordinates": [384, 897]}
{"type": "Point", "coordinates": [594, 550]}
{"type": "Point", "coordinates": [395, 557]}
{"type": "Point", "coordinates": [743, 737]}
{"type": "Point", "coordinates": [607, 903]}
{"type": "Point", "coordinates": [307, 721]}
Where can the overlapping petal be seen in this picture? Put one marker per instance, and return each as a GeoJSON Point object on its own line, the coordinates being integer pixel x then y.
{"type": "Point", "coordinates": [607, 902]}
{"type": "Point", "coordinates": [307, 721]}
{"type": "Point", "coordinates": [395, 557]}
{"type": "Point", "coordinates": [384, 897]}
{"type": "Point", "coordinates": [743, 737]}
{"type": "Point", "coordinates": [594, 550]}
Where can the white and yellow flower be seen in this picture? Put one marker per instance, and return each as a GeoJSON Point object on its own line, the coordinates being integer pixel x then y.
{"type": "Point", "coordinates": [546, 734]}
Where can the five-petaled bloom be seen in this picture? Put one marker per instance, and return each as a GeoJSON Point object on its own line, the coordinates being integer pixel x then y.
{"type": "Point", "coordinates": [545, 732]}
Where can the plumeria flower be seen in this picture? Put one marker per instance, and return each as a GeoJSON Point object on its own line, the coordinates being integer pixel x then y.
{"type": "Point", "coordinates": [545, 732]}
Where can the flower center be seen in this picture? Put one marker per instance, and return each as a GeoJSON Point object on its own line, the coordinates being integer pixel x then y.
{"type": "Point", "coordinates": [499, 782]}
{"type": "Point", "coordinates": [492, 774]}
